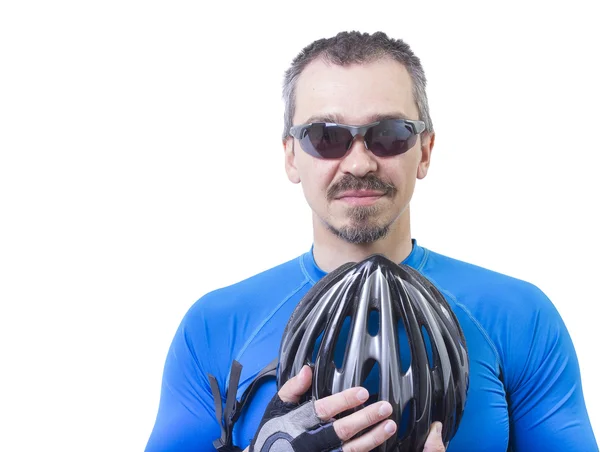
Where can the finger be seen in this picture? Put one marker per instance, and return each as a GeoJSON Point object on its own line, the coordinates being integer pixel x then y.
{"type": "Point", "coordinates": [296, 386]}
{"type": "Point", "coordinates": [350, 425]}
{"type": "Point", "coordinates": [434, 441]}
{"type": "Point", "coordinates": [328, 407]}
{"type": "Point", "coordinates": [372, 439]}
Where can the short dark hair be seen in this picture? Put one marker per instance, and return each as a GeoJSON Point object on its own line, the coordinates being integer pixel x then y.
{"type": "Point", "coordinates": [356, 48]}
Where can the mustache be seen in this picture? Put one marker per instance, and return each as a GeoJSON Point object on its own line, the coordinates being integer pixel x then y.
{"type": "Point", "coordinates": [369, 182]}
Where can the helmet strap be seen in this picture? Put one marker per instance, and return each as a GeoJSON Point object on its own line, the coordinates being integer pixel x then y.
{"type": "Point", "coordinates": [233, 408]}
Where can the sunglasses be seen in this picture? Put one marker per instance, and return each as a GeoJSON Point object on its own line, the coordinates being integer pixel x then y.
{"type": "Point", "coordinates": [326, 140]}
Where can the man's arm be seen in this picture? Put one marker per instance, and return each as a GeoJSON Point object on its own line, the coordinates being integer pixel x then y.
{"type": "Point", "coordinates": [547, 408]}
{"type": "Point", "coordinates": [186, 419]}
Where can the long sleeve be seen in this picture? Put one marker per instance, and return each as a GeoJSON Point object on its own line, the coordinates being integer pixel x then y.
{"type": "Point", "coordinates": [545, 397]}
{"type": "Point", "coordinates": [186, 419]}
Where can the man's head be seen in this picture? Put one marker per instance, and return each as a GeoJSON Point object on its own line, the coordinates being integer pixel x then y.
{"type": "Point", "coordinates": [357, 79]}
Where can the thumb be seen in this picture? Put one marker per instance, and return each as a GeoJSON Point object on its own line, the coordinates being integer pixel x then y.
{"type": "Point", "coordinates": [295, 387]}
{"type": "Point", "coordinates": [434, 441]}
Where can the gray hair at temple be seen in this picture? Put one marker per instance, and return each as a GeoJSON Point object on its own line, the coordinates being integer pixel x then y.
{"type": "Point", "coordinates": [356, 48]}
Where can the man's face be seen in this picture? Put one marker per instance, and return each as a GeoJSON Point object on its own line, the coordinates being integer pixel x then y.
{"type": "Point", "coordinates": [359, 197]}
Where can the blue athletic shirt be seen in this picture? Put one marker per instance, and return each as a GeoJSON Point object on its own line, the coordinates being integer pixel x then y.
{"type": "Point", "coordinates": [524, 393]}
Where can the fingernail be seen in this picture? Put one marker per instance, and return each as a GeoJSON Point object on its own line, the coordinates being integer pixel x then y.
{"type": "Point", "coordinates": [438, 428]}
{"type": "Point", "coordinates": [304, 371]}
{"type": "Point", "coordinates": [362, 394]}
{"type": "Point", "coordinates": [390, 427]}
{"type": "Point", "coordinates": [385, 409]}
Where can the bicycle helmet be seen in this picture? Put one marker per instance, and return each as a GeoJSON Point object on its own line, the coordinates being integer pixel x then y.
{"type": "Point", "coordinates": [433, 387]}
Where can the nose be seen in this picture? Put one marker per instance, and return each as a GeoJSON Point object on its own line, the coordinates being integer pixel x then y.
{"type": "Point", "coordinates": [359, 161]}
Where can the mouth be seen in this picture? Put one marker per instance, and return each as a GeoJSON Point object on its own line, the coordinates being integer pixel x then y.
{"type": "Point", "coordinates": [360, 197]}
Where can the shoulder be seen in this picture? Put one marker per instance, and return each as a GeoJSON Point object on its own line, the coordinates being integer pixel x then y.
{"type": "Point", "coordinates": [477, 287]}
{"type": "Point", "coordinates": [250, 294]}
{"type": "Point", "coordinates": [515, 316]}
{"type": "Point", "coordinates": [220, 325]}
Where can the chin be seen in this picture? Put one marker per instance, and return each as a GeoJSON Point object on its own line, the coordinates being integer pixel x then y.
{"type": "Point", "coordinates": [360, 232]}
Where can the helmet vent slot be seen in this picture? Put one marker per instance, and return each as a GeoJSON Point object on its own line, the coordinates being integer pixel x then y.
{"type": "Point", "coordinates": [428, 345]}
{"type": "Point", "coordinates": [404, 355]}
{"type": "Point", "coordinates": [406, 423]}
{"type": "Point", "coordinates": [339, 352]}
{"type": "Point", "coordinates": [371, 381]}
{"type": "Point", "coordinates": [317, 346]}
{"type": "Point", "coordinates": [373, 322]}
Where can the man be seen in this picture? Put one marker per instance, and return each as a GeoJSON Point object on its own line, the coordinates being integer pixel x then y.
{"type": "Point", "coordinates": [525, 390]}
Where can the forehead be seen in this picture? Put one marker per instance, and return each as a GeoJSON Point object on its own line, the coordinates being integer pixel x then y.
{"type": "Point", "coordinates": [354, 94]}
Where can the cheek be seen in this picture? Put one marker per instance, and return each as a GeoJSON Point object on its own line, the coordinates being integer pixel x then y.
{"type": "Point", "coordinates": [403, 175]}
{"type": "Point", "coordinates": [317, 175]}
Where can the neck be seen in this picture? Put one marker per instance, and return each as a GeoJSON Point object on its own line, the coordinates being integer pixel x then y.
{"type": "Point", "coordinates": [330, 251]}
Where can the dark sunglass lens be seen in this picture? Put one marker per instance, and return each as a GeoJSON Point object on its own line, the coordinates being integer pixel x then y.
{"type": "Point", "coordinates": [326, 141]}
{"type": "Point", "coordinates": [390, 138]}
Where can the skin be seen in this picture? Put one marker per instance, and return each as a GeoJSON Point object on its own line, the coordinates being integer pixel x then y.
{"type": "Point", "coordinates": [351, 228]}
{"type": "Point", "coordinates": [355, 95]}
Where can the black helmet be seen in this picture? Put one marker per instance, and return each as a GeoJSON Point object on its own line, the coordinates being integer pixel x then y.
{"type": "Point", "coordinates": [432, 388]}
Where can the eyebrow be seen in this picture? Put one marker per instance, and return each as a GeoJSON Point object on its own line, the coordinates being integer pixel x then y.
{"type": "Point", "coordinates": [338, 119]}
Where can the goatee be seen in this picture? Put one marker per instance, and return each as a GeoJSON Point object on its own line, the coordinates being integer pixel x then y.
{"type": "Point", "coordinates": [361, 230]}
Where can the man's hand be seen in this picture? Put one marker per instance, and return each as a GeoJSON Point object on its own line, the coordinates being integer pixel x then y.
{"type": "Point", "coordinates": [373, 416]}
{"type": "Point", "coordinates": [434, 439]}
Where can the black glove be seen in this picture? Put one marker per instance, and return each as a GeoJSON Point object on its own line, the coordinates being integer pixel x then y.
{"type": "Point", "coordinates": [289, 427]}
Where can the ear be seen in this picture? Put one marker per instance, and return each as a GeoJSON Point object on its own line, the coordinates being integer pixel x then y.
{"type": "Point", "coordinates": [427, 141]}
{"type": "Point", "coordinates": [290, 161]}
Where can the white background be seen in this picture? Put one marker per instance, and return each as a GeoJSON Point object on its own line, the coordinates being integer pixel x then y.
{"type": "Point", "coordinates": [141, 167]}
